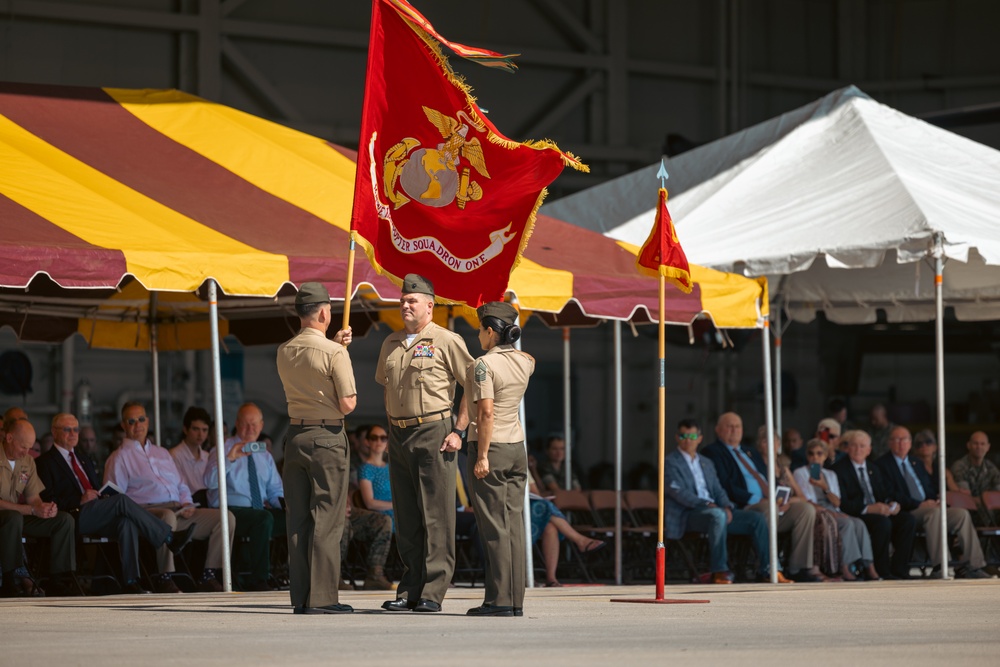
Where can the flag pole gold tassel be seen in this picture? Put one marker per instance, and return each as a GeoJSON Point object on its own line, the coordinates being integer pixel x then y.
{"type": "Point", "coordinates": [660, 549]}
{"type": "Point", "coordinates": [350, 283]}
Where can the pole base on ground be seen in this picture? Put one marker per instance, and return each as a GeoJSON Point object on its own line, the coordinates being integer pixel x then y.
{"type": "Point", "coordinates": [661, 601]}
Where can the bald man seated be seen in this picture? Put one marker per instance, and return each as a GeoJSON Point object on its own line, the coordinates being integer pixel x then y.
{"type": "Point", "coordinates": [23, 512]}
{"type": "Point", "coordinates": [743, 475]}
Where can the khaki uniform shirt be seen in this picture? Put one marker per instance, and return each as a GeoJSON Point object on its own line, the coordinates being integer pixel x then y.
{"type": "Point", "coordinates": [419, 379]}
{"type": "Point", "coordinates": [501, 374]}
{"type": "Point", "coordinates": [316, 373]}
{"type": "Point", "coordinates": [22, 479]}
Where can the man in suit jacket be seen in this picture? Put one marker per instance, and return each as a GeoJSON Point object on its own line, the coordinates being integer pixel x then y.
{"type": "Point", "coordinates": [910, 484]}
{"type": "Point", "coordinates": [743, 474]}
{"type": "Point", "coordinates": [875, 505]}
{"type": "Point", "coordinates": [72, 484]}
{"type": "Point", "coordinates": [696, 502]}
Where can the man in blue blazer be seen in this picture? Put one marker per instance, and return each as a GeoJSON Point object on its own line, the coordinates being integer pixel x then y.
{"type": "Point", "coordinates": [696, 502]}
{"type": "Point", "coordinates": [71, 483]}
{"type": "Point", "coordinates": [911, 485]}
{"type": "Point", "coordinates": [743, 475]}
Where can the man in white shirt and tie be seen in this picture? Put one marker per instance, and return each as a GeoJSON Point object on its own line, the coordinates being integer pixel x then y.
{"type": "Point", "coordinates": [913, 488]}
{"type": "Point", "coordinates": [147, 474]}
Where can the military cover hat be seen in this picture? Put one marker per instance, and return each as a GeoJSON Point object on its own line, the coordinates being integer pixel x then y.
{"type": "Point", "coordinates": [416, 284]}
{"type": "Point", "coordinates": [311, 293]}
{"type": "Point", "coordinates": [499, 309]}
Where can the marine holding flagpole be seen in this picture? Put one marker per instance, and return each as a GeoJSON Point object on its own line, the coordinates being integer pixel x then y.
{"type": "Point", "coordinates": [498, 461]}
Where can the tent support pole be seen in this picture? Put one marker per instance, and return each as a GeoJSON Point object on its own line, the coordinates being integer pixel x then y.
{"type": "Point", "coordinates": [528, 553]}
{"type": "Point", "coordinates": [661, 552]}
{"type": "Point", "coordinates": [567, 407]}
{"type": "Point", "coordinates": [220, 437]}
{"type": "Point", "coordinates": [154, 353]}
{"type": "Point", "coordinates": [939, 367]}
{"type": "Point", "coordinates": [778, 332]}
{"type": "Point", "coordinates": [772, 508]}
{"type": "Point", "coordinates": [618, 451]}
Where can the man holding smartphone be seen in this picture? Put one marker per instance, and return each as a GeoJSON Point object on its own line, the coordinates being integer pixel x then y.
{"type": "Point", "coordinates": [253, 492]}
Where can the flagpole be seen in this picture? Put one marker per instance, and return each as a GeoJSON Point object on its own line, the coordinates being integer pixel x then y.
{"type": "Point", "coordinates": [350, 281]}
{"type": "Point", "coordinates": [660, 549]}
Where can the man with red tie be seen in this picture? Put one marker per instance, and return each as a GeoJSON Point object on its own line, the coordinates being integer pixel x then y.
{"type": "Point", "coordinates": [71, 483]}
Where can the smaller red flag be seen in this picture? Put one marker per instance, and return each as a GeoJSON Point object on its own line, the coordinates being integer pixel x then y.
{"type": "Point", "coordinates": [661, 254]}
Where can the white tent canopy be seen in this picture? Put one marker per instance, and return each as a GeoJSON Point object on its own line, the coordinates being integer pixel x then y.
{"type": "Point", "coordinates": [846, 178]}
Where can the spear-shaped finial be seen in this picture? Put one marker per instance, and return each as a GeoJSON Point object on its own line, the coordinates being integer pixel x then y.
{"type": "Point", "coordinates": [662, 174]}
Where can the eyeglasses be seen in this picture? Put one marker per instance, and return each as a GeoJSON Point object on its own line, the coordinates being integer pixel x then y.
{"type": "Point", "coordinates": [380, 438]}
{"type": "Point", "coordinates": [688, 436]}
{"type": "Point", "coordinates": [70, 429]}
{"type": "Point", "coordinates": [132, 420]}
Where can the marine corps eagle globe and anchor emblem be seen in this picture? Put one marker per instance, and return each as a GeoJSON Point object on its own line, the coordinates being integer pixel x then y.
{"type": "Point", "coordinates": [436, 176]}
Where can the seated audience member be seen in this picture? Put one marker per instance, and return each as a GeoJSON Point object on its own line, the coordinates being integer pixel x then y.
{"type": "Point", "coordinates": [117, 438]}
{"type": "Point", "coordinates": [975, 475]}
{"type": "Point", "coordinates": [88, 447]}
{"type": "Point", "coordinates": [911, 486]}
{"type": "Point", "coordinates": [879, 427]}
{"type": "Point", "coordinates": [45, 442]}
{"type": "Point", "coordinates": [147, 474]}
{"type": "Point", "coordinates": [189, 454]}
{"type": "Point", "coordinates": [836, 409]}
{"type": "Point", "coordinates": [553, 467]}
{"type": "Point", "coordinates": [373, 474]}
{"type": "Point", "coordinates": [828, 430]}
{"type": "Point", "coordinates": [696, 502]}
{"type": "Point", "coordinates": [254, 493]}
{"type": "Point", "coordinates": [824, 490]}
{"type": "Point", "coordinates": [375, 530]}
{"type": "Point", "coordinates": [868, 497]}
{"type": "Point", "coordinates": [743, 475]}
{"type": "Point", "coordinates": [24, 513]}
{"type": "Point", "coordinates": [71, 483]}
{"type": "Point", "coordinates": [36, 449]}
{"type": "Point", "coordinates": [826, 537]}
{"type": "Point", "coordinates": [550, 526]}
{"type": "Point", "coordinates": [791, 445]}
{"type": "Point", "coordinates": [925, 452]}
{"type": "Point", "coordinates": [358, 444]}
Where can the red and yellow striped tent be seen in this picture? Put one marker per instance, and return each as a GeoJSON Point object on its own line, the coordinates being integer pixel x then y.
{"type": "Point", "coordinates": [104, 187]}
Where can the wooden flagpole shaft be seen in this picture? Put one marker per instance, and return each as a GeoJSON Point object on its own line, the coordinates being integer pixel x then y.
{"type": "Point", "coordinates": [660, 550]}
{"type": "Point", "coordinates": [350, 284]}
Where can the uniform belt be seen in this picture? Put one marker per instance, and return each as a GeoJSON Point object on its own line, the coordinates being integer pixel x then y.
{"type": "Point", "coordinates": [414, 421]}
{"type": "Point", "coordinates": [316, 422]}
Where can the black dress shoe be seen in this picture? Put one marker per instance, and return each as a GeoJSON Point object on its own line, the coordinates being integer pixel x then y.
{"type": "Point", "coordinates": [423, 604]}
{"type": "Point", "coordinates": [490, 610]}
{"type": "Point", "coordinates": [134, 588]}
{"type": "Point", "coordinates": [519, 611]}
{"type": "Point", "coordinates": [328, 609]}
{"type": "Point", "coordinates": [181, 539]}
{"type": "Point", "coordinates": [804, 577]}
{"type": "Point", "coordinates": [399, 604]}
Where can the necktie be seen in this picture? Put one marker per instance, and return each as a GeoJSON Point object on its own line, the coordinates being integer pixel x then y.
{"type": "Point", "coordinates": [866, 486]}
{"type": "Point", "coordinates": [80, 475]}
{"type": "Point", "coordinates": [255, 501]}
{"type": "Point", "coordinates": [912, 483]}
{"type": "Point", "coordinates": [748, 464]}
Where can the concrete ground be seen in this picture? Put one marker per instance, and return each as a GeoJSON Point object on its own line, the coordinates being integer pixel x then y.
{"type": "Point", "coordinates": [858, 624]}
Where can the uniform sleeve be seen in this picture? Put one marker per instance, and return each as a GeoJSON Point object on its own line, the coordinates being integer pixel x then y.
{"type": "Point", "coordinates": [343, 373]}
{"type": "Point", "coordinates": [458, 358]}
{"type": "Point", "coordinates": [481, 385]}
{"type": "Point", "coordinates": [34, 485]}
{"type": "Point", "coordinates": [380, 367]}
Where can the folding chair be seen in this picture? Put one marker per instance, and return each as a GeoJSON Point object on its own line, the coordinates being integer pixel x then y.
{"type": "Point", "coordinates": [576, 506]}
{"type": "Point", "coordinates": [991, 500]}
{"type": "Point", "coordinates": [643, 512]}
{"type": "Point", "coordinates": [112, 566]}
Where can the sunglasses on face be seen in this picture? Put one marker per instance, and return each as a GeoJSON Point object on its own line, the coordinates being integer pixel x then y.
{"type": "Point", "coordinates": [380, 438]}
{"type": "Point", "coordinates": [688, 436]}
{"type": "Point", "coordinates": [70, 429]}
{"type": "Point", "coordinates": [132, 420]}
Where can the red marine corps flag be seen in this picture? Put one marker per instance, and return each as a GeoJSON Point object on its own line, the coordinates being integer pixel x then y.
{"type": "Point", "coordinates": [439, 191]}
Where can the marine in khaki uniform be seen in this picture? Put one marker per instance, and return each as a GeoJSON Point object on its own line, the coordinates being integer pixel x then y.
{"type": "Point", "coordinates": [23, 512]}
{"type": "Point", "coordinates": [498, 462]}
{"type": "Point", "coordinates": [318, 379]}
{"type": "Point", "coordinates": [418, 367]}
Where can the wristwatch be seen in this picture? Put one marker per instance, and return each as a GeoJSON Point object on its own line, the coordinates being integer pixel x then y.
{"type": "Point", "coordinates": [460, 432]}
